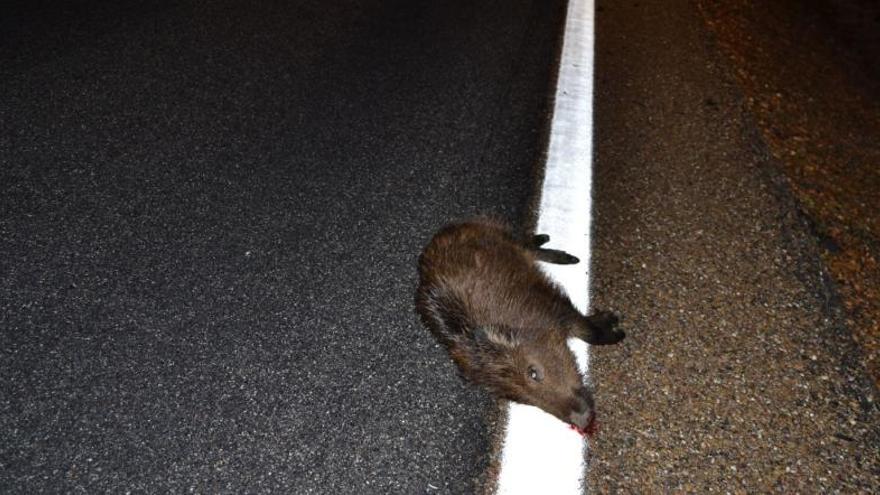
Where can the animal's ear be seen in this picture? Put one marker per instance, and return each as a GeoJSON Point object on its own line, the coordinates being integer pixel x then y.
{"type": "Point", "coordinates": [495, 336]}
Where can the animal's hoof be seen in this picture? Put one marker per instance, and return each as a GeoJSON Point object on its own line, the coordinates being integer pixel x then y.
{"type": "Point", "coordinates": [604, 320]}
{"type": "Point", "coordinates": [539, 240]}
{"type": "Point", "coordinates": [616, 336]}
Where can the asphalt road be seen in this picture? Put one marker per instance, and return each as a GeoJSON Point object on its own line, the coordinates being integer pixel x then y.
{"type": "Point", "coordinates": [211, 213]}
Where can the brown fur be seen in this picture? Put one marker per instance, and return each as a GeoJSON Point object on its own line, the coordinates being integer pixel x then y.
{"type": "Point", "coordinates": [503, 322]}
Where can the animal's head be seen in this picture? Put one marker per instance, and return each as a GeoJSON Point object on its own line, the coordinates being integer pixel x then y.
{"type": "Point", "coordinates": [535, 368]}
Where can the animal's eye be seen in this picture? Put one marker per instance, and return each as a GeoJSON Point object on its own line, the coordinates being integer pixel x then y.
{"type": "Point", "coordinates": [535, 374]}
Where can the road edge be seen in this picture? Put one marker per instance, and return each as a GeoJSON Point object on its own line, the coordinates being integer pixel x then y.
{"type": "Point", "coordinates": [539, 453]}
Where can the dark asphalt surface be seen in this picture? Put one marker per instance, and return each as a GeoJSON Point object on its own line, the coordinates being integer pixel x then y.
{"type": "Point", "coordinates": [210, 214]}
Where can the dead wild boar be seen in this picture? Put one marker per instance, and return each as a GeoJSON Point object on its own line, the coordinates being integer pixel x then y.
{"type": "Point", "coordinates": [503, 322]}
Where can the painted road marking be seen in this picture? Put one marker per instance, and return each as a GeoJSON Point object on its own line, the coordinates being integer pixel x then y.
{"type": "Point", "coordinates": [539, 453]}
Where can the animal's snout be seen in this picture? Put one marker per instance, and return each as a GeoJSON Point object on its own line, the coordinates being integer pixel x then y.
{"type": "Point", "coordinates": [582, 408]}
{"type": "Point", "coordinates": [582, 420]}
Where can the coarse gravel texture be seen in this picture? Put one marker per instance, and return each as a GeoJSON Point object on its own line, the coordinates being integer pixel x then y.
{"type": "Point", "coordinates": [738, 374]}
{"type": "Point", "coordinates": [810, 77]}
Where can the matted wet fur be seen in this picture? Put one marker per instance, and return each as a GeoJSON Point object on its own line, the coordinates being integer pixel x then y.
{"type": "Point", "coordinates": [503, 322]}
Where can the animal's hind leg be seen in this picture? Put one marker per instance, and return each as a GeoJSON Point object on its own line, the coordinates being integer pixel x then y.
{"type": "Point", "coordinates": [556, 257]}
{"type": "Point", "coordinates": [539, 240]}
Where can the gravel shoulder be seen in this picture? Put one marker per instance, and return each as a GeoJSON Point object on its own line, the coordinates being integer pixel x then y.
{"type": "Point", "coordinates": [816, 102]}
{"type": "Point", "coordinates": [739, 373]}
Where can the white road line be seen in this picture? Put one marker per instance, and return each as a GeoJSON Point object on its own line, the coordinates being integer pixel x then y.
{"type": "Point", "coordinates": [540, 454]}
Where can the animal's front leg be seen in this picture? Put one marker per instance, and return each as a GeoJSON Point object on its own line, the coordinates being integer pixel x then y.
{"type": "Point", "coordinates": [600, 328]}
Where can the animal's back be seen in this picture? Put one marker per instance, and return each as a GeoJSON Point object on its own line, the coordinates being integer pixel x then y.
{"type": "Point", "coordinates": [490, 275]}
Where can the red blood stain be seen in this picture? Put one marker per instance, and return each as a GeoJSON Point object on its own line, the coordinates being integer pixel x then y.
{"type": "Point", "coordinates": [589, 431]}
